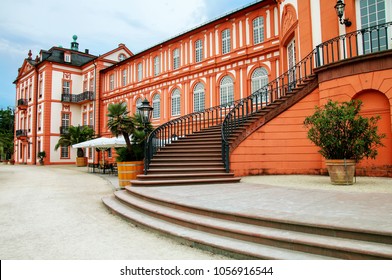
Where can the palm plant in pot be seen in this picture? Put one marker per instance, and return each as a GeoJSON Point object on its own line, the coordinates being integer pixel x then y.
{"type": "Point", "coordinates": [135, 132]}
{"type": "Point", "coordinates": [344, 137]}
{"type": "Point", "coordinates": [75, 135]}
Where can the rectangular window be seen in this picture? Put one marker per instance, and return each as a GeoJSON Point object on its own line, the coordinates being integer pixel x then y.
{"type": "Point", "coordinates": [92, 85]}
{"type": "Point", "coordinates": [111, 82]}
{"type": "Point", "coordinates": [84, 118]}
{"type": "Point", "coordinates": [40, 87]}
{"type": "Point", "coordinates": [176, 59]}
{"type": "Point", "coordinates": [226, 41]}
{"type": "Point", "coordinates": [65, 119]}
{"type": "Point", "coordinates": [67, 57]}
{"type": "Point", "coordinates": [139, 72]}
{"type": "Point", "coordinates": [124, 77]}
{"type": "Point", "coordinates": [64, 152]}
{"type": "Point", "coordinates": [157, 66]}
{"type": "Point", "coordinates": [91, 118]}
{"type": "Point", "coordinates": [66, 87]}
{"type": "Point", "coordinates": [258, 30]}
{"type": "Point", "coordinates": [199, 50]}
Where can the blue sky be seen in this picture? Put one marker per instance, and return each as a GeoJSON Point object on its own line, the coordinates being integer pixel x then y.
{"type": "Point", "coordinates": [100, 25]}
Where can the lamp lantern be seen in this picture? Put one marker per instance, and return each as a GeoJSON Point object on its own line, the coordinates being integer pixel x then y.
{"type": "Point", "coordinates": [339, 7]}
{"type": "Point", "coordinates": [145, 111]}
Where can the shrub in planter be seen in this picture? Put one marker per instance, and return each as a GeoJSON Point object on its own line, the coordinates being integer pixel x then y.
{"type": "Point", "coordinates": [342, 133]}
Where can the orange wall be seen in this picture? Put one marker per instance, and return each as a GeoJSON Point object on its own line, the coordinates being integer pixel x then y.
{"type": "Point", "coordinates": [280, 146]}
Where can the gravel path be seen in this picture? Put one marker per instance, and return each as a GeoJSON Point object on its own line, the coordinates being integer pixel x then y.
{"type": "Point", "coordinates": [56, 213]}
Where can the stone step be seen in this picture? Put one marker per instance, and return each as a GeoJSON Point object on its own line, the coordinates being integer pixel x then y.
{"type": "Point", "coordinates": [183, 181]}
{"type": "Point", "coordinates": [188, 175]}
{"type": "Point", "coordinates": [231, 247]}
{"type": "Point", "coordinates": [186, 170]}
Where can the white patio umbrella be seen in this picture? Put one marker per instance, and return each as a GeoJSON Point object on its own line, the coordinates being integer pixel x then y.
{"type": "Point", "coordinates": [102, 143]}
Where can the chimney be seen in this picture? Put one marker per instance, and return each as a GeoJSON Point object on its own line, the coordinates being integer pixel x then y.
{"type": "Point", "coordinates": [86, 51]}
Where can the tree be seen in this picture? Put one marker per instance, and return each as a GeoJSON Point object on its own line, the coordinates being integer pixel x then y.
{"type": "Point", "coordinates": [75, 135]}
{"type": "Point", "coordinates": [131, 128]}
{"type": "Point", "coordinates": [7, 132]}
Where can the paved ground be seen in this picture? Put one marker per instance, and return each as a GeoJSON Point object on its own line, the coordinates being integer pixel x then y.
{"type": "Point", "coordinates": [55, 212]}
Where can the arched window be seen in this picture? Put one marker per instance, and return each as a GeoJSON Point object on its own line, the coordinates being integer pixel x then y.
{"type": "Point", "coordinates": [258, 30]}
{"type": "Point", "coordinates": [259, 80]}
{"type": "Point", "coordinates": [138, 103]}
{"type": "Point", "coordinates": [176, 102]}
{"type": "Point", "coordinates": [156, 104]}
{"type": "Point", "coordinates": [199, 98]}
{"type": "Point", "coordinates": [226, 91]}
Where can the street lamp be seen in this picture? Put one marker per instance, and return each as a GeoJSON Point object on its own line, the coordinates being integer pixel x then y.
{"type": "Point", "coordinates": [145, 110]}
{"type": "Point", "coordinates": [339, 7]}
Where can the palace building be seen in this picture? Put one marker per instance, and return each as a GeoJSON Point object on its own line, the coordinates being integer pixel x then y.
{"type": "Point", "coordinates": [289, 53]}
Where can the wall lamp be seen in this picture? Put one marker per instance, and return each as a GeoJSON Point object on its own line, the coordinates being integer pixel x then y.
{"type": "Point", "coordinates": [339, 7]}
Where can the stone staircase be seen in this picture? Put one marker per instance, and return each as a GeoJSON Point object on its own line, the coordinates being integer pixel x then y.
{"type": "Point", "coordinates": [244, 235]}
{"type": "Point", "coordinates": [194, 159]}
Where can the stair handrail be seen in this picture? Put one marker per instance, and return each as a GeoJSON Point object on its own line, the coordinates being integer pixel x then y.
{"type": "Point", "coordinates": [224, 114]}
{"type": "Point", "coordinates": [331, 51]}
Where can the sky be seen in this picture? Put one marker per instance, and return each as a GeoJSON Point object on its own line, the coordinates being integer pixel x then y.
{"type": "Point", "coordinates": [99, 24]}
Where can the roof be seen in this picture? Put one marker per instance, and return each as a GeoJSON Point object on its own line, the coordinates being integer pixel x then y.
{"type": "Point", "coordinates": [56, 54]}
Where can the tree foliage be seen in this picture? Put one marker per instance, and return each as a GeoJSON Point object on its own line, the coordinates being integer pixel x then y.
{"type": "Point", "coordinates": [341, 133]}
{"type": "Point", "coordinates": [75, 135]}
{"type": "Point", "coordinates": [7, 132]}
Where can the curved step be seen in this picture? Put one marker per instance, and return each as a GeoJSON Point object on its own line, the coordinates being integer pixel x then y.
{"type": "Point", "coordinates": [199, 239]}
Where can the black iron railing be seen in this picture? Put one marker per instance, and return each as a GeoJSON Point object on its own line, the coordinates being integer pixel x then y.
{"type": "Point", "coordinates": [22, 102]}
{"type": "Point", "coordinates": [21, 133]}
{"type": "Point", "coordinates": [76, 98]}
{"type": "Point", "coordinates": [231, 116]}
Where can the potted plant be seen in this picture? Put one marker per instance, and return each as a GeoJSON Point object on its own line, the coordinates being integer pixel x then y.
{"type": "Point", "coordinates": [41, 156]}
{"type": "Point", "coordinates": [129, 158]}
{"type": "Point", "coordinates": [344, 137]}
{"type": "Point", "coordinates": [75, 135]}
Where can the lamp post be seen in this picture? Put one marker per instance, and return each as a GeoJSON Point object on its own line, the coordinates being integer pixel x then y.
{"type": "Point", "coordinates": [145, 110]}
{"type": "Point", "coordinates": [339, 7]}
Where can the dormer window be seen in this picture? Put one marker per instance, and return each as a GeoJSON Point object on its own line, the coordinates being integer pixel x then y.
{"type": "Point", "coordinates": [67, 57]}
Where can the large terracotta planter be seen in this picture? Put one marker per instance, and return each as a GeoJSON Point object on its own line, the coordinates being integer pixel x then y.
{"type": "Point", "coordinates": [128, 170]}
{"type": "Point", "coordinates": [81, 161]}
{"type": "Point", "coordinates": [341, 172]}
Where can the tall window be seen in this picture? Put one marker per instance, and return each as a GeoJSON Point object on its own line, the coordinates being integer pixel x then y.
{"type": "Point", "coordinates": [176, 59]}
{"type": "Point", "coordinates": [259, 80]}
{"type": "Point", "coordinates": [199, 98]}
{"type": "Point", "coordinates": [138, 103]}
{"type": "Point", "coordinates": [226, 91]}
{"type": "Point", "coordinates": [139, 72]}
{"type": "Point", "coordinates": [124, 77]}
{"type": "Point", "coordinates": [40, 86]}
{"type": "Point", "coordinates": [373, 13]}
{"type": "Point", "coordinates": [258, 30]}
{"type": "Point", "coordinates": [156, 104]}
{"type": "Point", "coordinates": [157, 66]}
{"type": "Point", "coordinates": [291, 54]}
{"type": "Point", "coordinates": [111, 82]}
{"type": "Point", "coordinates": [66, 87]}
{"type": "Point", "coordinates": [64, 152]}
{"type": "Point", "coordinates": [91, 118]}
{"type": "Point", "coordinates": [226, 41]}
{"type": "Point", "coordinates": [65, 120]}
{"type": "Point", "coordinates": [199, 50]}
{"type": "Point", "coordinates": [176, 102]}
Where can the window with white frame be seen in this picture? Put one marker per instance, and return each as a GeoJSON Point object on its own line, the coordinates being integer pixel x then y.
{"type": "Point", "coordinates": [64, 152]}
{"type": "Point", "coordinates": [258, 30]}
{"type": "Point", "coordinates": [373, 12]}
{"type": "Point", "coordinates": [199, 98]}
{"type": "Point", "coordinates": [176, 59]}
{"type": "Point", "coordinates": [226, 41]}
{"type": "Point", "coordinates": [140, 72]}
{"type": "Point", "coordinates": [124, 77]}
{"type": "Point", "coordinates": [138, 102]}
{"type": "Point", "coordinates": [259, 80]}
{"type": "Point", "coordinates": [176, 102]}
{"type": "Point", "coordinates": [157, 66]}
{"type": "Point", "coordinates": [66, 87]}
{"type": "Point", "coordinates": [156, 104]}
{"type": "Point", "coordinates": [111, 82]}
{"type": "Point", "coordinates": [67, 57]}
{"type": "Point", "coordinates": [199, 50]}
{"type": "Point", "coordinates": [226, 91]}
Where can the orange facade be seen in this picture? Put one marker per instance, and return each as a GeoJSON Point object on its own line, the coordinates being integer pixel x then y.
{"type": "Point", "coordinates": [231, 57]}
